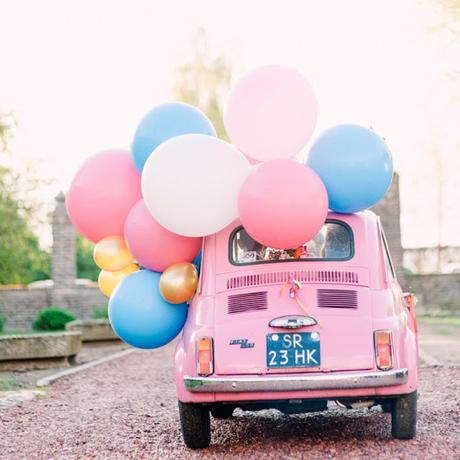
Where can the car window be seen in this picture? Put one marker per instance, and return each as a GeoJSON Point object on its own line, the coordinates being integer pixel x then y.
{"type": "Point", "coordinates": [333, 242]}
{"type": "Point", "coordinates": [388, 264]}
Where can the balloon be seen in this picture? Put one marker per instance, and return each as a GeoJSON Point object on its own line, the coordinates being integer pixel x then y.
{"type": "Point", "coordinates": [197, 261]}
{"type": "Point", "coordinates": [112, 254]}
{"type": "Point", "coordinates": [152, 245]}
{"type": "Point", "coordinates": [271, 113]}
{"type": "Point", "coordinates": [140, 316]}
{"type": "Point", "coordinates": [191, 184]}
{"type": "Point", "coordinates": [108, 281]}
{"type": "Point", "coordinates": [283, 204]}
{"type": "Point", "coordinates": [102, 193]}
{"type": "Point", "coordinates": [355, 165]}
{"type": "Point", "coordinates": [162, 123]}
{"type": "Point", "coordinates": [178, 282]}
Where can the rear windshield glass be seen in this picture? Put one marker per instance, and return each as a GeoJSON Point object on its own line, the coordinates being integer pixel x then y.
{"type": "Point", "coordinates": [333, 242]}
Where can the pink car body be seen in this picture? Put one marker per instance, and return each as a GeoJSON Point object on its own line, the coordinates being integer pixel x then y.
{"type": "Point", "coordinates": [350, 300]}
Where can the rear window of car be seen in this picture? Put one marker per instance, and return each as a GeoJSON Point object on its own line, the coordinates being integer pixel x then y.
{"type": "Point", "coordinates": [334, 242]}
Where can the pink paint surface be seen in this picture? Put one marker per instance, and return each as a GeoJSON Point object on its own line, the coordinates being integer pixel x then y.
{"type": "Point", "coordinates": [346, 333]}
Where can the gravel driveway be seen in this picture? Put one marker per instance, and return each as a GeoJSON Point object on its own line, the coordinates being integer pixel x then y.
{"type": "Point", "coordinates": [127, 409]}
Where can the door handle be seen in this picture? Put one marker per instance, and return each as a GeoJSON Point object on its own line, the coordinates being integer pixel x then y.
{"type": "Point", "coordinates": [292, 321]}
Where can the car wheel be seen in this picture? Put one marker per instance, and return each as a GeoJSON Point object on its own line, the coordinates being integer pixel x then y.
{"type": "Point", "coordinates": [404, 416]}
{"type": "Point", "coordinates": [195, 424]}
{"type": "Point", "coordinates": [387, 406]}
{"type": "Point", "coordinates": [222, 411]}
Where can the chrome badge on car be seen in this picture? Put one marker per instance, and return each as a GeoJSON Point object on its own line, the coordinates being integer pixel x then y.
{"type": "Point", "coordinates": [243, 343]}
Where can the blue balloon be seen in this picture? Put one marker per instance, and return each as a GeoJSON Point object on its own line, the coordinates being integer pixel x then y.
{"type": "Point", "coordinates": [140, 316]}
{"type": "Point", "coordinates": [197, 261]}
{"type": "Point", "coordinates": [355, 165]}
{"type": "Point", "coordinates": [162, 123]}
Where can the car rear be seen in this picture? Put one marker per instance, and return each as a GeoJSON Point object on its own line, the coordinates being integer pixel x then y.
{"type": "Point", "coordinates": [295, 332]}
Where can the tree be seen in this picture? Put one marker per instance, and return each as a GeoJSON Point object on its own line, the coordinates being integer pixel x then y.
{"type": "Point", "coordinates": [203, 82]}
{"type": "Point", "coordinates": [21, 258]}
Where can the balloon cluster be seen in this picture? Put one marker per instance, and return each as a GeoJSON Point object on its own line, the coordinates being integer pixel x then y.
{"type": "Point", "coordinates": [150, 207]}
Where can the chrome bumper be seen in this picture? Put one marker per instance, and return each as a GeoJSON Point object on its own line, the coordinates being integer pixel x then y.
{"type": "Point", "coordinates": [331, 381]}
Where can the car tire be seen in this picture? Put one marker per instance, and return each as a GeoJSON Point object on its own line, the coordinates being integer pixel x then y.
{"type": "Point", "coordinates": [387, 407]}
{"type": "Point", "coordinates": [195, 424]}
{"type": "Point", "coordinates": [222, 411]}
{"type": "Point", "coordinates": [404, 416]}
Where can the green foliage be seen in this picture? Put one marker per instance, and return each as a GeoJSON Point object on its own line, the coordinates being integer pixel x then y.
{"type": "Point", "coordinates": [53, 319]}
{"type": "Point", "coordinates": [2, 322]}
{"type": "Point", "coordinates": [21, 258]}
{"type": "Point", "coordinates": [7, 123]}
{"type": "Point", "coordinates": [86, 268]}
{"type": "Point", "coordinates": [204, 81]}
{"type": "Point", "coordinates": [440, 320]}
{"type": "Point", "coordinates": [100, 313]}
{"type": "Point", "coordinates": [8, 384]}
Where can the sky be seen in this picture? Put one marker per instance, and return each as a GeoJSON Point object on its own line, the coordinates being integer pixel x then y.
{"type": "Point", "coordinates": [79, 75]}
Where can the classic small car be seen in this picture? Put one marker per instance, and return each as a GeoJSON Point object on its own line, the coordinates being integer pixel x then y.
{"type": "Point", "coordinates": [294, 329]}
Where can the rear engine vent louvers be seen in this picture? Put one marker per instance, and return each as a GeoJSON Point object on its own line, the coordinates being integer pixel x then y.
{"type": "Point", "coordinates": [252, 301]}
{"type": "Point", "coordinates": [304, 276]}
{"type": "Point", "coordinates": [337, 298]}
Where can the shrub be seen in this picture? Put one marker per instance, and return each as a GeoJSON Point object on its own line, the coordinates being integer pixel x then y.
{"type": "Point", "coordinates": [2, 322]}
{"type": "Point", "coordinates": [52, 319]}
{"type": "Point", "coordinates": [100, 313]}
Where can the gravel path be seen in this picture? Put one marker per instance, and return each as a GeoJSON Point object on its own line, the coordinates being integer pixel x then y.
{"type": "Point", "coordinates": [127, 409]}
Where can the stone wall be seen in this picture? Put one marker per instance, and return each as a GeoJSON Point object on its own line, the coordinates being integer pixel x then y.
{"type": "Point", "coordinates": [389, 211]}
{"type": "Point", "coordinates": [437, 294]}
{"type": "Point", "coordinates": [64, 255]}
{"type": "Point", "coordinates": [20, 306]}
{"type": "Point", "coordinates": [442, 259]}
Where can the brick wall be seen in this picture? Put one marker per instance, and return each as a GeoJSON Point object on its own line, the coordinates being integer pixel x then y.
{"type": "Point", "coordinates": [436, 294]}
{"type": "Point", "coordinates": [389, 211]}
{"type": "Point", "coordinates": [432, 259]}
{"type": "Point", "coordinates": [64, 256]}
{"type": "Point", "coordinates": [20, 306]}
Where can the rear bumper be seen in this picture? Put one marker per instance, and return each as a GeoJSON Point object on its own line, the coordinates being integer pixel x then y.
{"type": "Point", "coordinates": [336, 381]}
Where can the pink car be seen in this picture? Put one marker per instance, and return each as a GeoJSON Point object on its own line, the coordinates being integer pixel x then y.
{"type": "Point", "coordinates": [297, 328]}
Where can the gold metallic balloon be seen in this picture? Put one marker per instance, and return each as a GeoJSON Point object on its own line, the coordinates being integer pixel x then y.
{"type": "Point", "coordinates": [108, 281]}
{"type": "Point", "coordinates": [112, 254]}
{"type": "Point", "coordinates": [178, 282]}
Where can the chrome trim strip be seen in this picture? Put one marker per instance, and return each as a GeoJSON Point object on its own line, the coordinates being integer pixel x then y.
{"type": "Point", "coordinates": [293, 321]}
{"type": "Point", "coordinates": [329, 381]}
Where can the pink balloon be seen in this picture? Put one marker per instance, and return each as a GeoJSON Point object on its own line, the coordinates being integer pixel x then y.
{"type": "Point", "coordinates": [283, 204]}
{"type": "Point", "coordinates": [102, 193]}
{"type": "Point", "coordinates": [152, 245]}
{"type": "Point", "coordinates": [271, 113]}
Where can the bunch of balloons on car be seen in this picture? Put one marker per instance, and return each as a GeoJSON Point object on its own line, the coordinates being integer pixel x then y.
{"type": "Point", "coordinates": [149, 209]}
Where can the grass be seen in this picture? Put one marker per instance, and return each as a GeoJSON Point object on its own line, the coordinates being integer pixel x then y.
{"type": "Point", "coordinates": [441, 320]}
{"type": "Point", "coordinates": [8, 384]}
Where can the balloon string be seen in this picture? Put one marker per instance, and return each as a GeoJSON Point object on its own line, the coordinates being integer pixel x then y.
{"type": "Point", "coordinates": [295, 287]}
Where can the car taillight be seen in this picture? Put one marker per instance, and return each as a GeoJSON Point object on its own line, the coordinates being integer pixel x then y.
{"type": "Point", "coordinates": [383, 349]}
{"type": "Point", "coordinates": [204, 356]}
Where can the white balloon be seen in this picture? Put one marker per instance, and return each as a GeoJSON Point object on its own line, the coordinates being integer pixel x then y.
{"type": "Point", "coordinates": [191, 183]}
